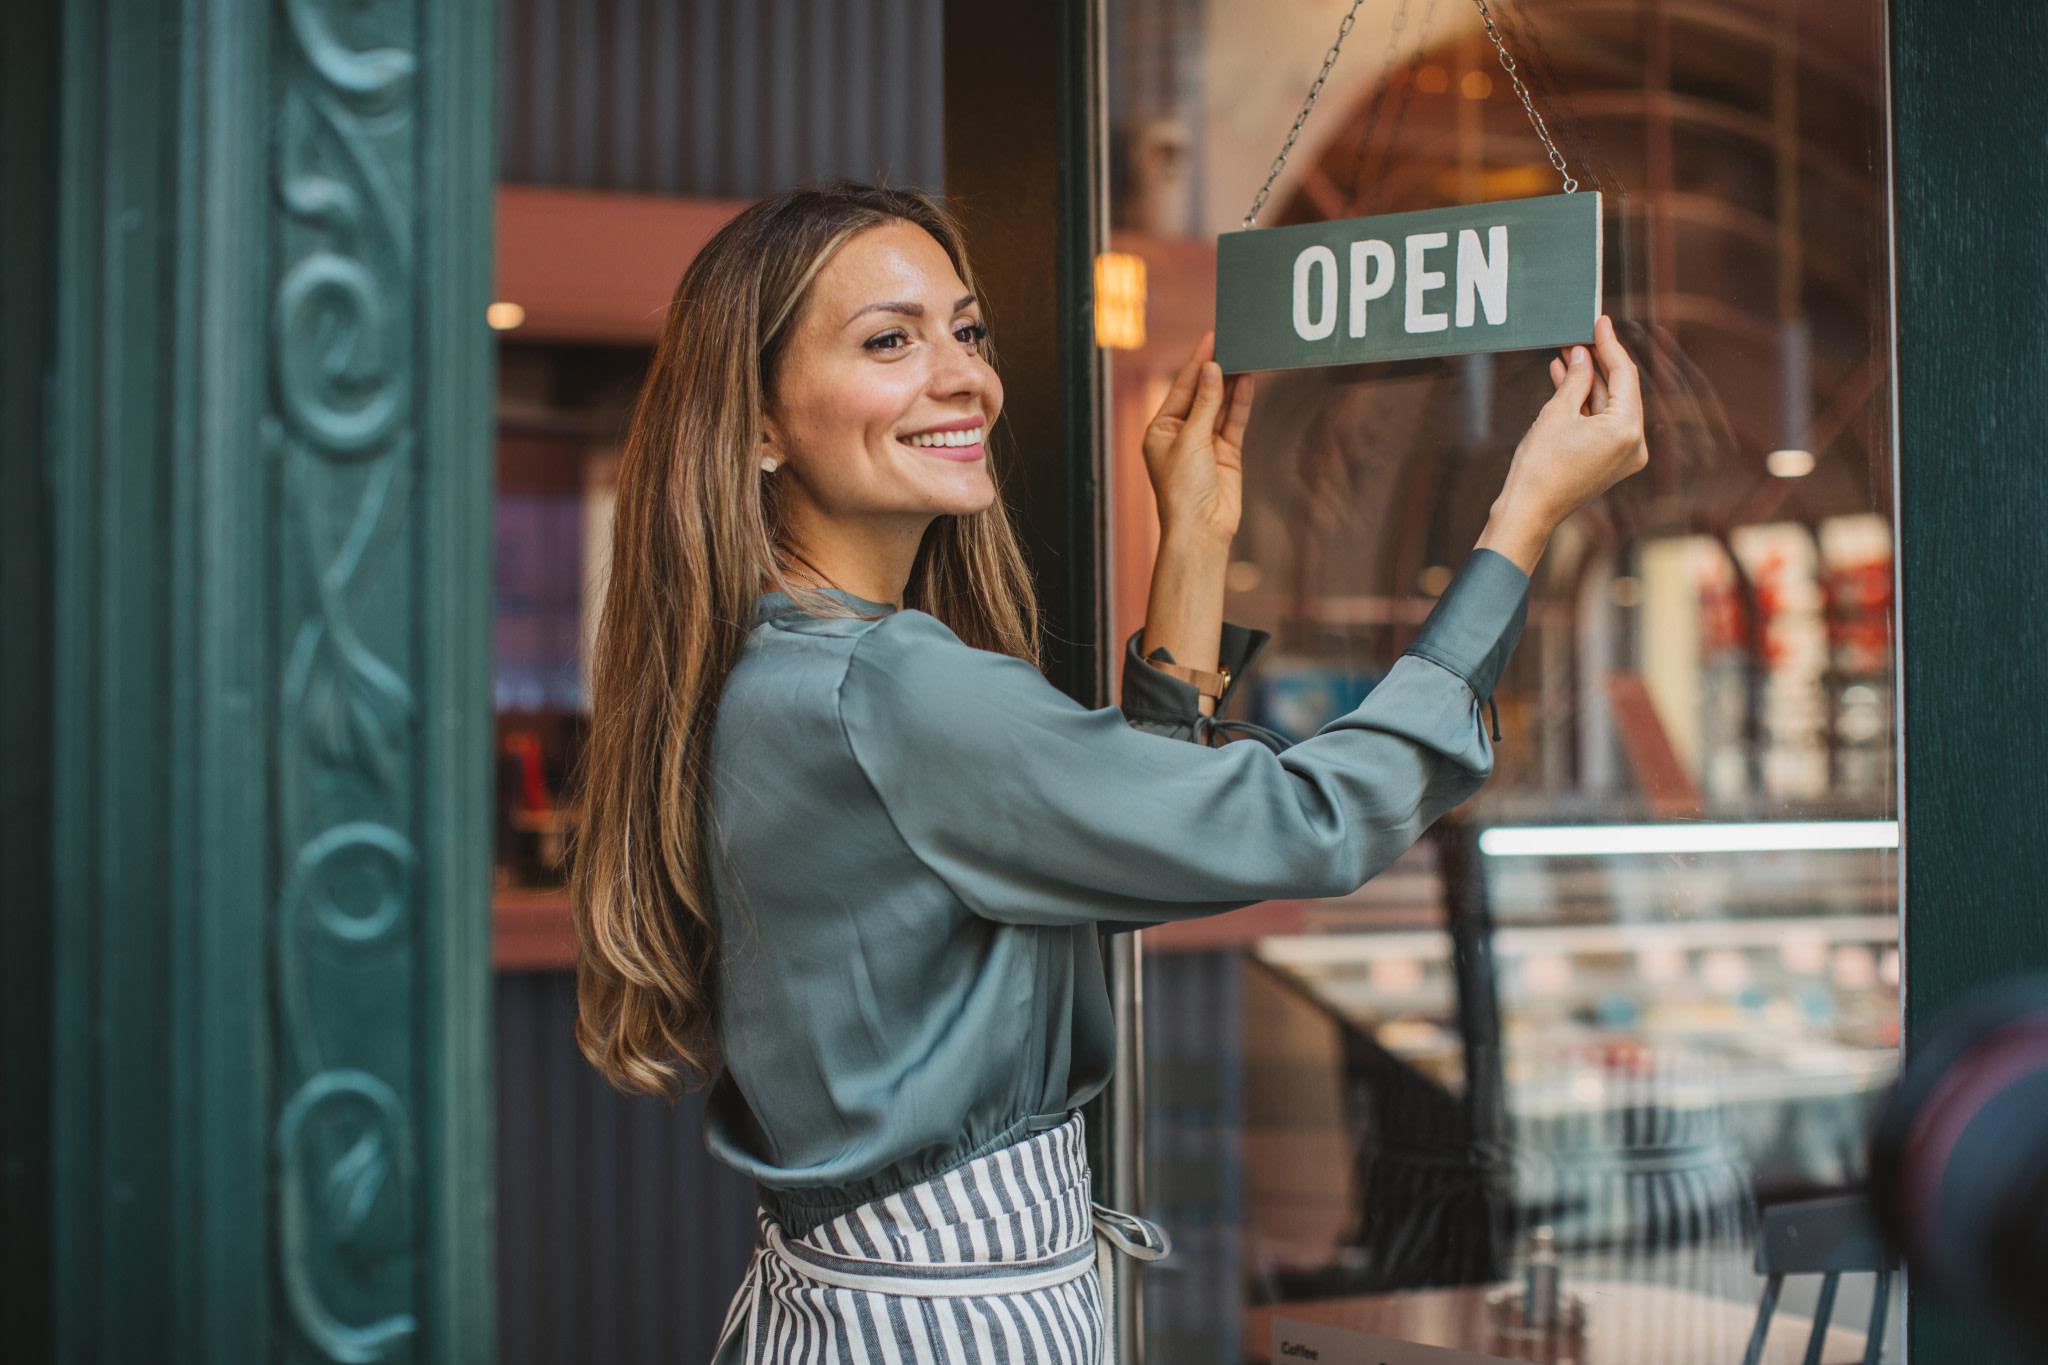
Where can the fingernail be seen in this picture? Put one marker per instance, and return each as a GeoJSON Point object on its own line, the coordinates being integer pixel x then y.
{"type": "Point", "coordinates": [1578, 355]}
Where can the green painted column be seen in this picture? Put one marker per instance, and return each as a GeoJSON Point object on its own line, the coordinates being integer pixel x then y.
{"type": "Point", "coordinates": [1969, 111]}
{"type": "Point", "coordinates": [266, 489]}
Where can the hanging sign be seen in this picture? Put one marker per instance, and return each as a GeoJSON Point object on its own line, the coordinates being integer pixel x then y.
{"type": "Point", "coordinates": [1500, 276]}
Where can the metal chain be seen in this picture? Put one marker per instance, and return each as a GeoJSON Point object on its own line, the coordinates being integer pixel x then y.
{"type": "Point", "coordinates": [1507, 64]}
{"type": "Point", "coordinates": [1251, 216]}
{"type": "Point", "coordinates": [1372, 110]}
{"type": "Point", "coordinates": [1406, 101]}
{"type": "Point", "coordinates": [1575, 134]}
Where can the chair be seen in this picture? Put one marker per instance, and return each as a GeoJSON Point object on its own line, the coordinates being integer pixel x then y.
{"type": "Point", "coordinates": [1831, 1237]}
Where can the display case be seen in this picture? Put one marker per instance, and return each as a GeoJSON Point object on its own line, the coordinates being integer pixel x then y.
{"type": "Point", "coordinates": [1606, 1002]}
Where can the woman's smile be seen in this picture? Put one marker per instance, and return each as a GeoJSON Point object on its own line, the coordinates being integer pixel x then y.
{"type": "Point", "coordinates": [958, 440]}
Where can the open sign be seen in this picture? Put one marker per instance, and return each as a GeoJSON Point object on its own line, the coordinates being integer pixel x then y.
{"type": "Point", "coordinates": [1480, 277]}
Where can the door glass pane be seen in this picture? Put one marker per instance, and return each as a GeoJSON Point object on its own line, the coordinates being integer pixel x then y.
{"type": "Point", "coordinates": [1644, 988]}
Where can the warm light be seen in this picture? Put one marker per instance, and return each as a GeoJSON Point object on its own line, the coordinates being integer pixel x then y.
{"type": "Point", "coordinates": [1395, 976]}
{"type": "Point", "coordinates": [1547, 974]}
{"type": "Point", "coordinates": [1661, 964]}
{"type": "Point", "coordinates": [1771, 836]}
{"type": "Point", "coordinates": [1855, 968]}
{"type": "Point", "coordinates": [1790, 464]}
{"type": "Point", "coordinates": [1119, 301]}
{"type": "Point", "coordinates": [1725, 971]}
{"type": "Point", "coordinates": [1432, 80]}
{"type": "Point", "coordinates": [1804, 952]}
{"type": "Point", "coordinates": [1625, 592]}
{"type": "Point", "coordinates": [1243, 576]}
{"type": "Point", "coordinates": [1433, 580]}
{"type": "Point", "coordinates": [1475, 85]}
{"type": "Point", "coordinates": [504, 316]}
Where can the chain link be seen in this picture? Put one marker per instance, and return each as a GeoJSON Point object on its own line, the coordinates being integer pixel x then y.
{"type": "Point", "coordinates": [1402, 104]}
{"type": "Point", "coordinates": [1251, 217]}
{"type": "Point", "coordinates": [1507, 64]}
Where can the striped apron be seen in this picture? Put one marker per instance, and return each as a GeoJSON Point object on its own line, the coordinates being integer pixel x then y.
{"type": "Point", "coordinates": [1003, 1259]}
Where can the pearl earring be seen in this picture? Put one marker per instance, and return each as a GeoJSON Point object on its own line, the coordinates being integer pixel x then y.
{"type": "Point", "coordinates": [768, 464]}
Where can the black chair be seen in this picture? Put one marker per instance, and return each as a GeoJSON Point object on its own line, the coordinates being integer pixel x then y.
{"type": "Point", "coordinates": [1830, 1237]}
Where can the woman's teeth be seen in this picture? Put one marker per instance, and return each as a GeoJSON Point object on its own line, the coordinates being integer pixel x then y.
{"type": "Point", "coordinates": [970, 437]}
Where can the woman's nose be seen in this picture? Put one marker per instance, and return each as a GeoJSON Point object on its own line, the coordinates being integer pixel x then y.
{"type": "Point", "coordinates": [959, 371]}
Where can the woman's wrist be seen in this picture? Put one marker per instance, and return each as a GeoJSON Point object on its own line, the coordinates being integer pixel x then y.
{"type": "Point", "coordinates": [1184, 610]}
{"type": "Point", "coordinates": [1193, 540]}
{"type": "Point", "coordinates": [1518, 535]}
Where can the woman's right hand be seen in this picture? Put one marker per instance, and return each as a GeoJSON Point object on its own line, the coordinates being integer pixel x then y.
{"type": "Point", "coordinates": [1587, 438]}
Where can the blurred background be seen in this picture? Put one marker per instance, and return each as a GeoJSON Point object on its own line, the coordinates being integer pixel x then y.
{"type": "Point", "coordinates": [1612, 1035]}
{"type": "Point", "coordinates": [1554, 1014]}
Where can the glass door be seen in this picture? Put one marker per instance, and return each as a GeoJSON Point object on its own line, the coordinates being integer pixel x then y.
{"type": "Point", "coordinates": [1643, 990]}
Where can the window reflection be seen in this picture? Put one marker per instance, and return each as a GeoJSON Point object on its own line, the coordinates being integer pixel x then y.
{"type": "Point", "coordinates": [1547, 1031]}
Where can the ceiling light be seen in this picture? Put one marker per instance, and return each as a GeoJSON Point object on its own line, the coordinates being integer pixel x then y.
{"type": "Point", "coordinates": [1790, 464]}
{"type": "Point", "coordinates": [504, 316]}
{"type": "Point", "coordinates": [1768, 836]}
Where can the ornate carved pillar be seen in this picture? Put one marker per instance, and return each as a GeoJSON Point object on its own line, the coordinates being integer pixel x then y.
{"type": "Point", "coordinates": [269, 479]}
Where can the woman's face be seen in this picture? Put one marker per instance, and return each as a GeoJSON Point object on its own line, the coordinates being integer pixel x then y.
{"type": "Point", "coordinates": [883, 403]}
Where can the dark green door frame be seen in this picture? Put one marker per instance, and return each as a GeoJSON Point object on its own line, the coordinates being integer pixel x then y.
{"type": "Point", "coordinates": [256, 597]}
{"type": "Point", "coordinates": [1970, 197]}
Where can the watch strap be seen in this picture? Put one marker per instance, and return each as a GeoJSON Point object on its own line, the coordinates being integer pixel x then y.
{"type": "Point", "coordinates": [1210, 684]}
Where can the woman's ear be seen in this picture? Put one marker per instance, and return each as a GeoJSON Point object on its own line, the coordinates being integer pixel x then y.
{"type": "Point", "coordinates": [771, 454]}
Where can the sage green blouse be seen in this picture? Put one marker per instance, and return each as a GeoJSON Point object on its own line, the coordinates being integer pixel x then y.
{"type": "Point", "coordinates": [916, 844]}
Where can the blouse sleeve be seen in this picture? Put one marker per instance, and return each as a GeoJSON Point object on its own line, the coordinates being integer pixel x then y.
{"type": "Point", "coordinates": [1158, 702]}
{"type": "Point", "coordinates": [1034, 809]}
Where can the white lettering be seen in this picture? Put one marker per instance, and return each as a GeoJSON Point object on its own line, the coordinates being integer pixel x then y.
{"type": "Point", "coordinates": [1326, 322]}
{"type": "Point", "coordinates": [1420, 282]}
{"type": "Point", "coordinates": [1483, 277]}
{"type": "Point", "coordinates": [1373, 284]}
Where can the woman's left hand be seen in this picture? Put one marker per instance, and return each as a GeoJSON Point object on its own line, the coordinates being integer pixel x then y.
{"type": "Point", "coordinates": [1194, 449]}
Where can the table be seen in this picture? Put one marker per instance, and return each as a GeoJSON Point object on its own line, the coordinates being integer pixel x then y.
{"type": "Point", "coordinates": [1628, 1324]}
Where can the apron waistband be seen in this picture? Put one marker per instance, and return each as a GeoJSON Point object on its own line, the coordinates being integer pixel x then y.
{"type": "Point", "coordinates": [1114, 1233]}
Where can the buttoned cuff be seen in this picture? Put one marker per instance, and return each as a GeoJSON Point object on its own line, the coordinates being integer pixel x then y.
{"type": "Point", "coordinates": [1153, 700]}
{"type": "Point", "coordinates": [1476, 624]}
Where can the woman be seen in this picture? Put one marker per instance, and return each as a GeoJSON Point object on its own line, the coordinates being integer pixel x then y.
{"type": "Point", "coordinates": [846, 850]}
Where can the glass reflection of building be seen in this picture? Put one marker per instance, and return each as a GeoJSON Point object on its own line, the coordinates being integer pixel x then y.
{"type": "Point", "coordinates": [1647, 981]}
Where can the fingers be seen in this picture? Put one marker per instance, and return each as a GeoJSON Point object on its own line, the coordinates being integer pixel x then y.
{"type": "Point", "coordinates": [1623, 384]}
{"type": "Point", "coordinates": [1175, 404]}
{"type": "Point", "coordinates": [1239, 413]}
{"type": "Point", "coordinates": [1596, 403]}
{"type": "Point", "coordinates": [1577, 383]}
{"type": "Point", "coordinates": [1208, 397]}
{"type": "Point", "coordinates": [1556, 372]}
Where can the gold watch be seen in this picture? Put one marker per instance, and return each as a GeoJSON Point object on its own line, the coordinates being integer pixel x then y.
{"type": "Point", "coordinates": [1210, 685]}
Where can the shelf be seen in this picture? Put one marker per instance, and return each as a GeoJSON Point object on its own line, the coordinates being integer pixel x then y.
{"type": "Point", "coordinates": [1325, 950]}
{"type": "Point", "coordinates": [531, 929]}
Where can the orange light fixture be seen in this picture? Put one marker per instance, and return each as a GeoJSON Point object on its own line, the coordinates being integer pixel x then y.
{"type": "Point", "coordinates": [1119, 301]}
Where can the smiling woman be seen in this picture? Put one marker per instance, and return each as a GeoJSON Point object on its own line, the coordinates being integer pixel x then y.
{"type": "Point", "coordinates": [880, 410]}
{"type": "Point", "coordinates": [846, 848]}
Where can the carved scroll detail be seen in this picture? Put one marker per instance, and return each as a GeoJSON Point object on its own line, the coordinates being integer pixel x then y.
{"type": "Point", "coordinates": [341, 431]}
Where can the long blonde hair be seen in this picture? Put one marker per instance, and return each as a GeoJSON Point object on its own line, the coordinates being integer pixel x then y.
{"type": "Point", "coordinates": [695, 536]}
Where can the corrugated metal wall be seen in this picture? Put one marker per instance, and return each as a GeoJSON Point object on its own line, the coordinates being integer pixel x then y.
{"type": "Point", "coordinates": [1194, 1132]}
{"type": "Point", "coordinates": [620, 1238]}
{"type": "Point", "coordinates": [718, 98]}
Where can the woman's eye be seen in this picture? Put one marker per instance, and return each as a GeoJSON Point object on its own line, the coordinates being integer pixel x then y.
{"type": "Point", "coordinates": [887, 341]}
{"type": "Point", "coordinates": [971, 334]}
